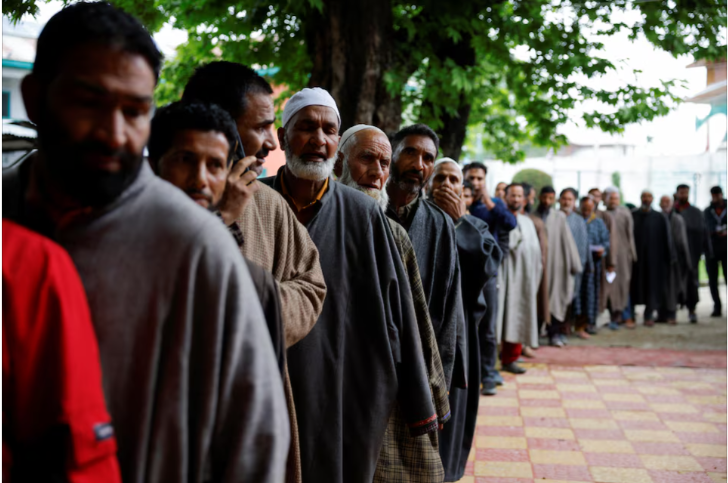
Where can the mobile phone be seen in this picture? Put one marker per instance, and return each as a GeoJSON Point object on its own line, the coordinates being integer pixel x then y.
{"type": "Point", "coordinates": [239, 152]}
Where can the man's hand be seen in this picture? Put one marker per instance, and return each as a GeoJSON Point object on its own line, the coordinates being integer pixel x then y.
{"type": "Point", "coordinates": [449, 202]}
{"type": "Point", "coordinates": [239, 190]}
{"type": "Point", "coordinates": [486, 199]}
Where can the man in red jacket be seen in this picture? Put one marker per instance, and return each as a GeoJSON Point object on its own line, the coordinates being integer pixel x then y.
{"type": "Point", "coordinates": [55, 423]}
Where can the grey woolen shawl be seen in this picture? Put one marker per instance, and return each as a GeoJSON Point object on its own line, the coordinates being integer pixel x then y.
{"type": "Point", "coordinates": [189, 374]}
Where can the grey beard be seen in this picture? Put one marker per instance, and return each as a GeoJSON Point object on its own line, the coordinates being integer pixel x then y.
{"type": "Point", "coordinates": [407, 188]}
{"type": "Point", "coordinates": [316, 171]}
{"type": "Point", "coordinates": [380, 196]}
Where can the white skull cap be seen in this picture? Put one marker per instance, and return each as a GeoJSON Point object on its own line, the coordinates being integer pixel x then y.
{"type": "Point", "coordinates": [315, 96]}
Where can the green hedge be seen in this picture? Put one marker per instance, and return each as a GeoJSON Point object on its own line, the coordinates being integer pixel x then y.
{"type": "Point", "coordinates": [536, 178]}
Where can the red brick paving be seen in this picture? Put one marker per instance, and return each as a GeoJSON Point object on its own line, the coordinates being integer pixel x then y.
{"type": "Point", "coordinates": [603, 424]}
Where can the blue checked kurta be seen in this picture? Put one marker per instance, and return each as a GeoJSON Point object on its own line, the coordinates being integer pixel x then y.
{"type": "Point", "coordinates": [598, 235]}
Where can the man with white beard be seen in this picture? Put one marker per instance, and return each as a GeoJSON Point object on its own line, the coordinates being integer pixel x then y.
{"type": "Point", "coordinates": [362, 163]}
{"type": "Point", "coordinates": [364, 353]}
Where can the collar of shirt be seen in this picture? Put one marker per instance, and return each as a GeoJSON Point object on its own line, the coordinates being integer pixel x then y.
{"type": "Point", "coordinates": [681, 206]}
{"type": "Point", "coordinates": [317, 199]}
{"type": "Point", "coordinates": [719, 208]}
{"type": "Point", "coordinates": [404, 211]}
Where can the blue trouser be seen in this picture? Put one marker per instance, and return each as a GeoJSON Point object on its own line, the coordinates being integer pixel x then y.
{"type": "Point", "coordinates": [628, 312]}
{"type": "Point", "coordinates": [487, 336]}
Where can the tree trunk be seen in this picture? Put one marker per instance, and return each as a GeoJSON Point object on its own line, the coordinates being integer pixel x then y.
{"type": "Point", "coordinates": [454, 128]}
{"type": "Point", "coordinates": [351, 48]}
{"type": "Point", "coordinates": [452, 134]}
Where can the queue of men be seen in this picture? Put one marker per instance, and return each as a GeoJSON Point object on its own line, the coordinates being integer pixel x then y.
{"type": "Point", "coordinates": [303, 327]}
{"type": "Point", "coordinates": [174, 317]}
{"type": "Point", "coordinates": [612, 259]}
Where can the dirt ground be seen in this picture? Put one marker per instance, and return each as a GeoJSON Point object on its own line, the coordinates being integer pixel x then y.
{"type": "Point", "coordinates": [708, 334]}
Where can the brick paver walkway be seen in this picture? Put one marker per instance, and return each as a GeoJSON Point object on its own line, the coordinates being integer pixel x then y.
{"type": "Point", "coordinates": [604, 424]}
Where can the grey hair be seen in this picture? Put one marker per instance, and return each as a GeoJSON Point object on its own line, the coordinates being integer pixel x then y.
{"type": "Point", "coordinates": [611, 190]}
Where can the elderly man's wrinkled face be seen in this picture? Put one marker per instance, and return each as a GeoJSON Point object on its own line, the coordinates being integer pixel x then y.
{"type": "Point", "coordinates": [587, 208]}
{"type": "Point", "coordinates": [413, 163]}
{"type": "Point", "coordinates": [369, 158]}
{"type": "Point", "coordinates": [514, 198]}
{"type": "Point", "coordinates": [647, 200]}
{"type": "Point", "coordinates": [567, 200]}
{"type": "Point", "coordinates": [447, 175]}
{"type": "Point", "coordinates": [666, 204]}
{"type": "Point", "coordinates": [310, 140]}
{"type": "Point", "coordinates": [365, 163]}
{"type": "Point", "coordinates": [476, 176]}
{"type": "Point", "coordinates": [93, 120]}
{"type": "Point", "coordinates": [547, 200]}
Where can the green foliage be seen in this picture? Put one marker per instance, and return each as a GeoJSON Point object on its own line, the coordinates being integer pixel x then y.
{"type": "Point", "coordinates": [536, 178]}
{"type": "Point", "coordinates": [617, 182]}
{"type": "Point", "coordinates": [517, 100]}
{"type": "Point", "coordinates": [15, 9]}
{"type": "Point", "coordinates": [617, 179]}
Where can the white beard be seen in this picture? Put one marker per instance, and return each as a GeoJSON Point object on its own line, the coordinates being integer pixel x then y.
{"type": "Point", "coordinates": [312, 171]}
{"type": "Point", "coordinates": [380, 196]}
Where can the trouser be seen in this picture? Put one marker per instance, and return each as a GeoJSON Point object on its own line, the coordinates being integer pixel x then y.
{"type": "Point", "coordinates": [628, 312]}
{"type": "Point", "coordinates": [693, 284]}
{"type": "Point", "coordinates": [712, 268]}
{"type": "Point", "coordinates": [556, 327]}
{"type": "Point", "coordinates": [649, 312]}
{"type": "Point", "coordinates": [664, 314]}
{"type": "Point", "coordinates": [487, 337]}
{"type": "Point", "coordinates": [510, 352]}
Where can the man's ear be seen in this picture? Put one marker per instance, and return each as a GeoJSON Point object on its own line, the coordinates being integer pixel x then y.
{"type": "Point", "coordinates": [31, 89]}
{"type": "Point", "coordinates": [282, 138]}
{"type": "Point", "coordinates": [339, 164]}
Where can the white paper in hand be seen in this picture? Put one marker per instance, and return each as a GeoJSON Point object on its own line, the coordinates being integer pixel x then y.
{"type": "Point", "coordinates": [611, 276]}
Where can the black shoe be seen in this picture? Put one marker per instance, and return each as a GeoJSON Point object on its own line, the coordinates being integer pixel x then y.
{"type": "Point", "coordinates": [591, 330]}
{"type": "Point", "coordinates": [489, 389]}
{"type": "Point", "coordinates": [693, 318]}
{"type": "Point", "coordinates": [513, 368]}
{"type": "Point", "coordinates": [717, 313]}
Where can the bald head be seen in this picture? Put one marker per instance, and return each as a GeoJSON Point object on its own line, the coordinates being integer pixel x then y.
{"type": "Point", "coordinates": [647, 199]}
{"type": "Point", "coordinates": [447, 172]}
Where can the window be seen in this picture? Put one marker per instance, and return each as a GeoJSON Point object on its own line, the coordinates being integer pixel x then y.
{"type": "Point", "coordinates": [6, 105]}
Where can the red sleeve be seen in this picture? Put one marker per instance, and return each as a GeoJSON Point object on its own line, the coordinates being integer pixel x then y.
{"type": "Point", "coordinates": [54, 403]}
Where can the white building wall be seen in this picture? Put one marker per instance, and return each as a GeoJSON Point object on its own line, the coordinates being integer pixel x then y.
{"type": "Point", "coordinates": [593, 167]}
